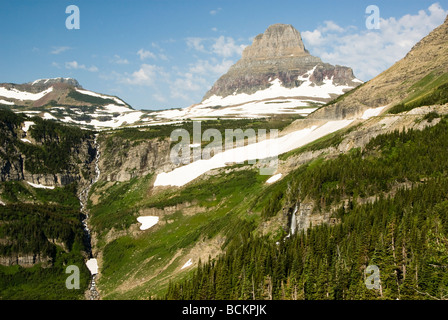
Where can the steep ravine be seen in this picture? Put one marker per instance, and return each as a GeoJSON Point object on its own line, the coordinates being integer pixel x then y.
{"type": "Point", "coordinates": [92, 264]}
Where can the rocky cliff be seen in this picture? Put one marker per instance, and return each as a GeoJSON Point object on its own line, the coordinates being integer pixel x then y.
{"type": "Point", "coordinates": [123, 159]}
{"type": "Point", "coordinates": [26, 145]}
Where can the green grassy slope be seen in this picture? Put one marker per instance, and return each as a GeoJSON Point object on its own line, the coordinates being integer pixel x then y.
{"type": "Point", "coordinates": [403, 230]}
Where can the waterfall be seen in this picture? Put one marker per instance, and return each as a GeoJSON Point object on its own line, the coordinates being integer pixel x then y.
{"type": "Point", "coordinates": [92, 263]}
{"type": "Point", "coordinates": [292, 229]}
{"type": "Point", "coordinates": [293, 221]}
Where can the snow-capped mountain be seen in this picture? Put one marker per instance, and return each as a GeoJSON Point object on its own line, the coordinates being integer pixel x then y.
{"type": "Point", "coordinates": [66, 100]}
{"type": "Point", "coordinates": [276, 75]}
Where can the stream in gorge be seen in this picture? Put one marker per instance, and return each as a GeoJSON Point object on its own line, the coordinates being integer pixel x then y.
{"type": "Point", "coordinates": [91, 263]}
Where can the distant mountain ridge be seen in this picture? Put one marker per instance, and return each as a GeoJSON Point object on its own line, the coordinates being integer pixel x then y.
{"type": "Point", "coordinates": [422, 70]}
{"type": "Point", "coordinates": [64, 99]}
{"type": "Point", "coordinates": [52, 81]}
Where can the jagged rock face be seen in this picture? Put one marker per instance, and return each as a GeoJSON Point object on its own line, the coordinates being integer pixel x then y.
{"type": "Point", "coordinates": [50, 82]}
{"type": "Point", "coordinates": [279, 41]}
{"type": "Point", "coordinates": [13, 160]}
{"type": "Point", "coordinates": [42, 84]}
{"type": "Point", "coordinates": [122, 160]}
{"type": "Point", "coordinates": [278, 53]}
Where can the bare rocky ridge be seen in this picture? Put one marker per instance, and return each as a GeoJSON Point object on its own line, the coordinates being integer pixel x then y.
{"type": "Point", "coordinates": [278, 53]}
{"type": "Point", "coordinates": [428, 56]}
{"type": "Point", "coordinates": [42, 84]}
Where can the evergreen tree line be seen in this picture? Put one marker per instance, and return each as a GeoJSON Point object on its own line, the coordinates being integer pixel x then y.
{"type": "Point", "coordinates": [33, 228]}
{"type": "Point", "coordinates": [54, 153]}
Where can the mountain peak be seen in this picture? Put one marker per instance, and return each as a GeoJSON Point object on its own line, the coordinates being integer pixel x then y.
{"type": "Point", "coordinates": [278, 41]}
{"type": "Point", "coordinates": [278, 60]}
{"type": "Point", "coordinates": [51, 81]}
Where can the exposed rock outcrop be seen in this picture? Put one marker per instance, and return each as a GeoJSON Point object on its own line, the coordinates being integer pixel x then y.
{"type": "Point", "coordinates": [123, 160]}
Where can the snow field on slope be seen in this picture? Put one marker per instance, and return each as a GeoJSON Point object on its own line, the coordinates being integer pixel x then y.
{"type": "Point", "coordinates": [306, 89]}
{"type": "Point", "coordinates": [94, 94]}
{"type": "Point", "coordinates": [27, 125]}
{"type": "Point", "coordinates": [21, 95]}
{"type": "Point", "coordinates": [128, 117]}
{"type": "Point", "coordinates": [187, 264]}
{"type": "Point", "coordinates": [6, 102]}
{"type": "Point", "coordinates": [256, 151]}
{"type": "Point", "coordinates": [39, 186]}
{"type": "Point", "coordinates": [274, 178]}
{"type": "Point", "coordinates": [372, 112]}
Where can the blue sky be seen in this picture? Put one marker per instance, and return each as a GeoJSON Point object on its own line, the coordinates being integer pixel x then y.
{"type": "Point", "coordinates": [158, 54]}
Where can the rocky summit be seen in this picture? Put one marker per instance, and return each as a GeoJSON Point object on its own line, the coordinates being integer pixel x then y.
{"type": "Point", "coordinates": [278, 53]}
{"type": "Point", "coordinates": [275, 75]}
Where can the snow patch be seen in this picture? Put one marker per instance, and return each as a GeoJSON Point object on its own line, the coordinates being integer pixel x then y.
{"type": "Point", "coordinates": [274, 178]}
{"type": "Point", "coordinates": [23, 95]}
{"type": "Point", "coordinates": [263, 102]}
{"type": "Point", "coordinates": [187, 264]}
{"type": "Point", "coordinates": [372, 112]}
{"type": "Point", "coordinates": [147, 221]}
{"type": "Point", "coordinates": [92, 265]}
{"type": "Point", "coordinates": [27, 125]}
{"type": "Point", "coordinates": [128, 117]}
{"type": "Point", "coordinates": [306, 89]}
{"type": "Point", "coordinates": [25, 140]}
{"type": "Point", "coordinates": [48, 116]}
{"type": "Point", "coordinates": [6, 102]}
{"type": "Point", "coordinates": [39, 186]}
{"type": "Point", "coordinates": [114, 108]}
{"type": "Point", "coordinates": [260, 150]}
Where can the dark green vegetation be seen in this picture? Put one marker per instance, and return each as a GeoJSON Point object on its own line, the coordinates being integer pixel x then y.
{"type": "Point", "coordinates": [117, 207]}
{"type": "Point", "coordinates": [431, 90]}
{"type": "Point", "coordinates": [55, 142]}
{"type": "Point", "coordinates": [78, 96]}
{"type": "Point", "coordinates": [392, 202]}
{"type": "Point", "coordinates": [39, 228]}
{"type": "Point", "coordinates": [41, 223]}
